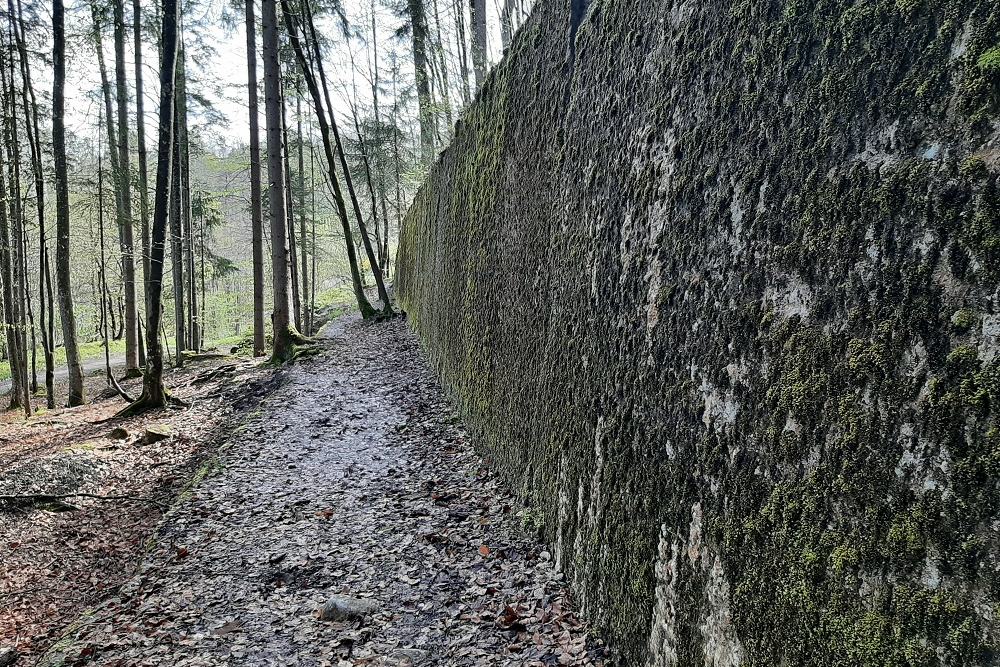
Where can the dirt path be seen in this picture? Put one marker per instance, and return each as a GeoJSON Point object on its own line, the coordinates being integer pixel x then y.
{"type": "Point", "coordinates": [354, 478]}
{"type": "Point", "coordinates": [61, 372]}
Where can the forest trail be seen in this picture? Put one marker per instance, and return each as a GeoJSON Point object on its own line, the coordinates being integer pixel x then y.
{"type": "Point", "coordinates": [61, 372]}
{"type": "Point", "coordinates": [353, 478]}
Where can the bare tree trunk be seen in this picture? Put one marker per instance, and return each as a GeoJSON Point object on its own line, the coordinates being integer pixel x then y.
{"type": "Point", "coordinates": [124, 184]}
{"type": "Point", "coordinates": [304, 256]}
{"type": "Point", "coordinates": [256, 214]}
{"type": "Point", "coordinates": [45, 305]}
{"type": "Point", "coordinates": [479, 44]}
{"type": "Point", "coordinates": [63, 277]}
{"type": "Point", "coordinates": [10, 301]}
{"type": "Point", "coordinates": [177, 229]}
{"type": "Point", "coordinates": [285, 335]}
{"type": "Point", "coordinates": [293, 264]}
{"type": "Point", "coordinates": [364, 306]}
{"type": "Point", "coordinates": [140, 133]}
{"type": "Point", "coordinates": [193, 325]}
{"type": "Point", "coordinates": [418, 32]}
{"type": "Point", "coordinates": [372, 260]}
{"type": "Point", "coordinates": [153, 392]}
{"type": "Point", "coordinates": [463, 51]}
{"type": "Point", "coordinates": [507, 26]}
{"type": "Point", "coordinates": [18, 248]}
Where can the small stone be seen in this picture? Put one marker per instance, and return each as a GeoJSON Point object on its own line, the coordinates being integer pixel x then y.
{"type": "Point", "coordinates": [409, 657]}
{"type": "Point", "coordinates": [345, 608]}
{"type": "Point", "coordinates": [119, 433]}
{"type": "Point", "coordinates": [156, 433]}
{"type": "Point", "coordinates": [8, 656]}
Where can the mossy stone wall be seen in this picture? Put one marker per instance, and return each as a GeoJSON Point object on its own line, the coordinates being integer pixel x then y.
{"type": "Point", "coordinates": [715, 283]}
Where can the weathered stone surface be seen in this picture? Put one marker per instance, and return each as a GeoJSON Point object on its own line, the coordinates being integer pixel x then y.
{"type": "Point", "coordinates": [716, 284]}
{"type": "Point", "coordinates": [156, 433]}
{"type": "Point", "coordinates": [345, 608]}
{"type": "Point", "coordinates": [118, 433]}
{"type": "Point", "coordinates": [8, 656]}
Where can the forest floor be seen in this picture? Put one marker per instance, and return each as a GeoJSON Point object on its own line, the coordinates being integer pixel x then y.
{"type": "Point", "coordinates": [345, 474]}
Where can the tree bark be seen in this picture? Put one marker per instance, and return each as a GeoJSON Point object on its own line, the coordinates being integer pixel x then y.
{"type": "Point", "coordinates": [177, 235]}
{"type": "Point", "coordinates": [418, 30]}
{"type": "Point", "coordinates": [256, 215]}
{"type": "Point", "coordinates": [303, 255]}
{"type": "Point", "coordinates": [153, 392]}
{"type": "Point", "coordinates": [364, 306]}
{"type": "Point", "coordinates": [140, 134]}
{"type": "Point", "coordinates": [479, 44]}
{"type": "Point", "coordinates": [193, 324]}
{"type": "Point", "coordinates": [463, 51]}
{"type": "Point", "coordinates": [63, 277]}
{"type": "Point", "coordinates": [124, 181]}
{"type": "Point", "coordinates": [45, 306]}
{"type": "Point", "coordinates": [293, 253]}
{"type": "Point", "coordinates": [285, 334]}
{"type": "Point", "coordinates": [362, 228]}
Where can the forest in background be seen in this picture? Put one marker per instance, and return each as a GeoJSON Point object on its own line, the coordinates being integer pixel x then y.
{"type": "Point", "coordinates": [368, 91]}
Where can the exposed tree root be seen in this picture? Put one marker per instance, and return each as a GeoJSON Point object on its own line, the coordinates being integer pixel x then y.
{"type": "Point", "coordinates": [145, 403]}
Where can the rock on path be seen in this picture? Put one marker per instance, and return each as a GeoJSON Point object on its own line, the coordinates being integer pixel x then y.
{"type": "Point", "coordinates": [354, 479]}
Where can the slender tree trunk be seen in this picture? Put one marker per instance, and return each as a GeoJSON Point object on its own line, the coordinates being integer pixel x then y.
{"type": "Point", "coordinates": [193, 324]}
{"type": "Point", "coordinates": [418, 30]}
{"type": "Point", "coordinates": [463, 51]}
{"type": "Point", "coordinates": [364, 306]}
{"type": "Point", "coordinates": [10, 302]}
{"type": "Point", "coordinates": [285, 335]}
{"type": "Point", "coordinates": [120, 175]}
{"type": "Point", "coordinates": [124, 181]}
{"type": "Point", "coordinates": [177, 236]}
{"type": "Point", "coordinates": [63, 277]}
{"type": "Point", "coordinates": [445, 83]}
{"type": "Point", "coordinates": [507, 26]}
{"type": "Point", "coordinates": [303, 254]}
{"type": "Point", "coordinates": [140, 133]}
{"type": "Point", "coordinates": [153, 392]}
{"type": "Point", "coordinates": [479, 44]}
{"type": "Point", "coordinates": [293, 253]}
{"type": "Point", "coordinates": [256, 215]}
{"type": "Point", "coordinates": [45, 305]}
{"type": "Point", "coordinates": [18, 247]}
{"type": "Point", "coordinates": [362, 228]}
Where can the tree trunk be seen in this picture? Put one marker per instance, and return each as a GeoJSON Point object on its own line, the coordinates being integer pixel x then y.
{"type": "Point", "coordinates": [304, 256]}
{"type": "Point", "coordinates": [285, 334]}
{"type": "Point", "coordinates": [372, 260]}
{"type": "Point", "coordinates": [10, 302]}
{"type": "Point", "coordinates": [290, 217]}
{"type": "Point", "coordinates": [153, 392]}
{"type": "Point", "coordinates": [463, 51]}
{"type": "Point", "coordinates": [364, 306]}
{"type": "Point", "coordinates": [45, 306]}
{"type": "Point", "coordinates": [140, 133]}
{"type": "Point", "coordinates": [418, 30]}
{"type": "Point", "coordinates": [124, 181]}
{"type": "Point", "coordinates": [256, 215]}
{"type": "Point", "coordinates": [177, 235]}
{"type": "Point", "coordinates": [63, 277]}
{"type": "Point", "coordinates": [479, 44]}
{"type": "Point", "coordinates": [193, 324]}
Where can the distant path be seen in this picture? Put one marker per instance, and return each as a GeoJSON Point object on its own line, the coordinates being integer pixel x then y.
{"type": "Point", "coordinates": [354, 478]}
{"type": "Point", "coordinates": [61, 372]}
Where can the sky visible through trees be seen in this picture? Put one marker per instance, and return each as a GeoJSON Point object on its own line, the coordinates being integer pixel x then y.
{"type": "Point", "coordinates": [354, 99]}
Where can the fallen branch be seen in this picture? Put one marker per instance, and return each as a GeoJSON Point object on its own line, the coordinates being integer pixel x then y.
{"type": "Point", "coordinates": [36, 498]}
